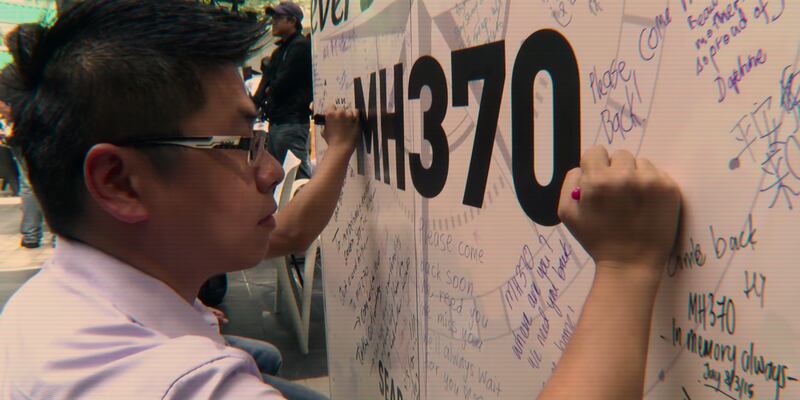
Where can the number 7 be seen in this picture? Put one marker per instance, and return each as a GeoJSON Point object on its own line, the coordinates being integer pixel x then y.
{"type": "Point", "coordinates": [486, 62]}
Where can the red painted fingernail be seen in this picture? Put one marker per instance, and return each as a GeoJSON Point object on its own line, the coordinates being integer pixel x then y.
{"type": "Point", "coordinates": [576, 193]}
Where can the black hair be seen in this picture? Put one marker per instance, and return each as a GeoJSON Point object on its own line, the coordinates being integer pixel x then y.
{"type": "Point", "coordinates": [107, 71]}
{"type": "Point", "coordinates": [11, 90]}
{"type": "Point", "coordinates": [8, 80]}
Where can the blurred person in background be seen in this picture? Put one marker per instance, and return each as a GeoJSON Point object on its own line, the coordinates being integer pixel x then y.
{"type": "Point", "coordinates": [32, 224]}
{"type": "Point", "coordinates": [286, 94]}
{"type": "Point", "coordinates": [9, 173]}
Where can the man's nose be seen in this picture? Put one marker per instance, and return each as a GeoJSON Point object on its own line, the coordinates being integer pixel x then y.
{"type": "Point", "coordinates": [268, 173]}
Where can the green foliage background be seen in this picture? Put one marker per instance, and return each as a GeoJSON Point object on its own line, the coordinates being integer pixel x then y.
{"type": "Point", "coordinates": [15, 12]}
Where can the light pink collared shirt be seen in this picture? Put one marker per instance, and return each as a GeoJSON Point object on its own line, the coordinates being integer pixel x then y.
{"type": "Point", "coordinates": [89, 326]}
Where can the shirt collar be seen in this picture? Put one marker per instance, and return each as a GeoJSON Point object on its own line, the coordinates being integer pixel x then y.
{"type": "Point", "coordinates": [143, 298]}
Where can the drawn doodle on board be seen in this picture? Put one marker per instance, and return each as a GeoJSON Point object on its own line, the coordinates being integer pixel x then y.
{"type": "Point", "coordinates": [771, 142]}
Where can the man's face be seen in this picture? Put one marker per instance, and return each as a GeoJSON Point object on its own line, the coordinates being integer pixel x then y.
{"type": "Point", "coordinates": [282, 25]}
{"type": "Point", "coordinates": [214, 207]}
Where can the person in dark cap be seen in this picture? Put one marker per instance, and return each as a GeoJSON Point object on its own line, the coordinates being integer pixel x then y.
{"type": "Point", "coordinates": [32, 224]}
{"type": "Point", "coordinates": [286, 98]}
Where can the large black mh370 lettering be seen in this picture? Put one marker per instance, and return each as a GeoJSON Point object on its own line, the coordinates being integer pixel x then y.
{"type": "Point", "coordinates": [544, 50]}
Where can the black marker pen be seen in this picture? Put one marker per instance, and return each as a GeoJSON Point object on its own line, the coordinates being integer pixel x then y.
{"type": "Point", "coordinates": [319, 119]}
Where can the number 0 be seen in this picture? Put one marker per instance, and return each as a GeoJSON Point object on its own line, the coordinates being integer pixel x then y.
{"type": "Point", "coordinates": [544, 50]}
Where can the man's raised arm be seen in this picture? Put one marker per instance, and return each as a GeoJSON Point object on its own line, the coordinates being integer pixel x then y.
{"type": "Point", "coordinates": [302, 220]}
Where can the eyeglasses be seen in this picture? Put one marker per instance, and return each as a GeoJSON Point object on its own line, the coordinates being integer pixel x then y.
{"type": "Point", "coordinates": [255, 145]}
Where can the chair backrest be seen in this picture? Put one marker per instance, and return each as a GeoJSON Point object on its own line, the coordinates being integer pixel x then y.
{"type": "Point", "coordinates": [298, 183]}
{"type": "Point", "coordinates": [283, 192]}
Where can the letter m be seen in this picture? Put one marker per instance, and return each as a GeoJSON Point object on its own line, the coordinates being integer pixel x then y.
{"type": "Point", "coordinates": [369, 125]}
{"type": "Point", "coordinates": [700, 42]}
{"type": "Point", "coordinates": [697, 308]}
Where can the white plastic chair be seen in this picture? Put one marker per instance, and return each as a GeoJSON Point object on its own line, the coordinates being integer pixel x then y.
{"type": "Point", "coordinates": [286, 292]}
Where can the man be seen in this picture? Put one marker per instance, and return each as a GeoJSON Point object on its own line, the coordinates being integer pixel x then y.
{"type": "Point", "coordinates": [31, 226]}
{"type": "Point", "coordinates": [134, 122]}
{"type": "Point", "coordinates": [9, 173]}
{"type": "Point", "coordinates": [138, 137]}
{"type": "Point", "coordinates": [260, 94]}
{"type": "Point", "coordinates": [286, 95]}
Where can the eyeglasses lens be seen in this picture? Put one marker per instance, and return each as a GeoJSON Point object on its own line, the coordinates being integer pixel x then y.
{"type": "Point", "coordinates": [256, 148]}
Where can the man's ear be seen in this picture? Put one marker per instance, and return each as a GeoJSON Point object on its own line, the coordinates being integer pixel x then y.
{"type": "Point", "coordinates": [110, 174]}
